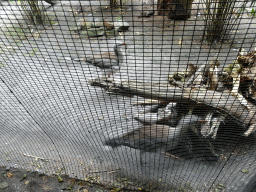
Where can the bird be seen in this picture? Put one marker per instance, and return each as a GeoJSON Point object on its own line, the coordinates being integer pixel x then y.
{"type": "Point", "coordinates": [110, 64]}
{"type": "Point", "coordinates": [149, 138]}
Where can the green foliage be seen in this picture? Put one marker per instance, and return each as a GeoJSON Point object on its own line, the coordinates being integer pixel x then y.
{"type": "Point", "coordinates": [222, 17]}
{"type": "Point", "coordinates": [33, 11]}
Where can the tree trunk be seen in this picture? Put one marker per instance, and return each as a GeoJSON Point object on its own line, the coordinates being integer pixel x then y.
{"type": "Point", "coordinates": [175, 9]}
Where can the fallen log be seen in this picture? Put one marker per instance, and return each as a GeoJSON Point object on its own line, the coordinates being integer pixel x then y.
{"type": "Point", "coordinates": [224, 101]}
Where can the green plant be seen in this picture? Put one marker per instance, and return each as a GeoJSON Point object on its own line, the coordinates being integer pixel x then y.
{"type": "Point", "coordinates": [34, 52]}
{"type": "Point", "coordinates": [250, 12]}
{"type": "Point", "coordinates": [120, 18]}
{"type": "Point", "coordinates": [221, 17]}
{"type": "Point", "coordinates": [33, 11]}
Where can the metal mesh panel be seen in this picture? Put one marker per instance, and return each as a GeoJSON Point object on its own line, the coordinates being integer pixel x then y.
{"type": "Point", "coordinates": [132, 122]}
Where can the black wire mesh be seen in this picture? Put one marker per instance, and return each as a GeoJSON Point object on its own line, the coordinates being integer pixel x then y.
{"type": "Point", "coordinates": [62, 109]}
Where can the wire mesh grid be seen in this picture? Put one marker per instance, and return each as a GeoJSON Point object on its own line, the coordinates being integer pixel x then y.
{"type": "Point", "coordinates": [135, 95]}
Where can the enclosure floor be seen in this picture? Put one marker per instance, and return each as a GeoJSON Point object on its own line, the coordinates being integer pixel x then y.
{"type": "Point", "coordinates": [52, 119]}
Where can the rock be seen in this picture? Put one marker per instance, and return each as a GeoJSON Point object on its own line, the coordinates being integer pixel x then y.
{"type": "Point", "coordinates": [121, 26]}
{"type": "Point", "coordinates": [111, 33]}
{"type": "Point", "coordinates": [82, 25]}
{"type": "Point", "coordinates": [97, 24]}
{"type": "Point", "coordinates": [3, 185]}
{"type": "Point", "coordinates": [76, 29]}
{"type": "Point", "coordinates": [147, 11]}
{"type": "Point", "coordinates": [108, 25]}
{"type": "Point", "coordinates": [86, 25]}
{"type": "Point", "coordinates": [93, 32]}
{"type": "Point", "coordinates": [41, 174]}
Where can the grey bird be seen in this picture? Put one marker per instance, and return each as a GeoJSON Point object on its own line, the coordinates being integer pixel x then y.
{"type": "Point", "coordinates": [111, 64]}
{"type": "Point", "coordinates": [151, 137]}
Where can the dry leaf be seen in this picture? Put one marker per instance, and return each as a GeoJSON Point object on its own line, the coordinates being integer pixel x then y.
{"type": "Point", "coordinates": [245, 171]}
{"type": "Point", "coordinates": [180, 42]}
{"type": "Point", "coordinates": [10, 175]}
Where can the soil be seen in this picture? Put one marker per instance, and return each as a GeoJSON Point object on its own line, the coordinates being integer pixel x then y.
{"type": "Point", "coordinates": [20, 180]}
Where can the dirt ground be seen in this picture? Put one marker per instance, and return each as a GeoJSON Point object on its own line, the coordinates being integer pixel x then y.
{"type": "Point", "coordinates": [19, 180]}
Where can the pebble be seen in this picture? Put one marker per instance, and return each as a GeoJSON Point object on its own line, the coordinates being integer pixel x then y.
{"type": "Point", "coordinates": [7, 168]}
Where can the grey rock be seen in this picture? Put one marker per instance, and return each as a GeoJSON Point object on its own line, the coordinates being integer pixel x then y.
{"type": "Point", "coordinates": [121, 26]}
{"type": "Point", "coordinates": [93, 33]}
{"type": "Point", "coordinates": [4, 185]}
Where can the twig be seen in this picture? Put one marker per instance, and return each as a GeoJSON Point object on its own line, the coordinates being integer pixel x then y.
{"type": "Point", "coordinates": [26, 185]}
{"type": "Point", "coordinates": [170, 155]}
{"type": "Point", "coordinates": [35, 157]}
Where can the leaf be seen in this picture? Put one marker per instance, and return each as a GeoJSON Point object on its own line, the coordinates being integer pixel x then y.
{"type": "Point", "coordinates": [221, 185]}
{"type": "Point", "coordinates": [68, 188]}
{"type": "Point", "coordinates": [10, 175]}
{"type": "Point", "coordinates": [87, 179]}
{"type": "Point", "coordinates": [24, 176]}
{"type": "Point", "coordinates": [180, 41]}
{"type": "Point", "coordinates": [59, 171]}
{"type": "Point", "coordinates": [245, 171]}
{"type": "Point", "coordinates": [116, 189]}
{"type": "Point", "coordinates": [59, 178]}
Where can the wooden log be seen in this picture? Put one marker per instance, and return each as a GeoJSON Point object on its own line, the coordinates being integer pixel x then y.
{"type": "Point", "coordinates": [222, 101]}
